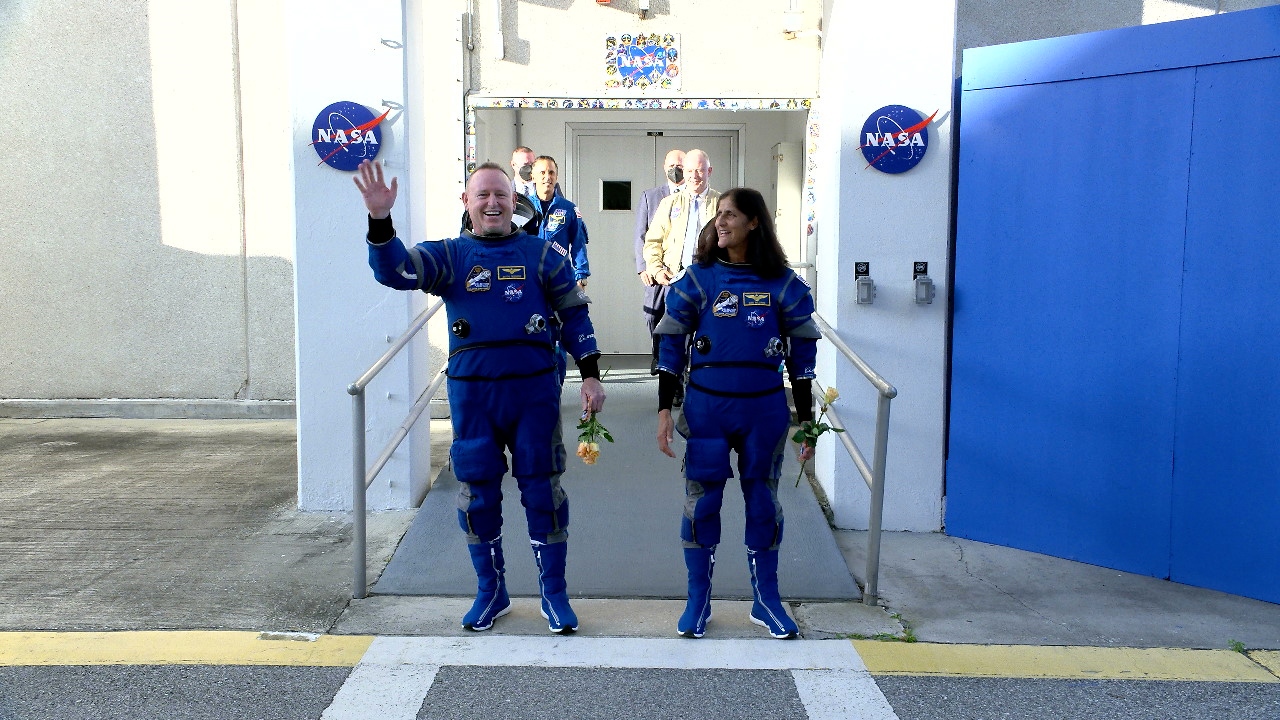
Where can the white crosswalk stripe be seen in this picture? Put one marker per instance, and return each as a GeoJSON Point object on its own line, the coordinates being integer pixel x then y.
{"type": "Point", "coordinates": [393, 678]}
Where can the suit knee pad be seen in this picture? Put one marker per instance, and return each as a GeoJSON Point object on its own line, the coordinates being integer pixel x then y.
{"type": "Point", "coordinates": [700, 526]}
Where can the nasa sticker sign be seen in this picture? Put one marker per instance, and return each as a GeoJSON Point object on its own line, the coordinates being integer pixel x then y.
{"type": "Point", "coordinates": [895, 138]}
{"type": "Point", "coordinates": [345, 134]}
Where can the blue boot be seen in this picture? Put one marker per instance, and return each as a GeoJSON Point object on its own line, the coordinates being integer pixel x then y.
{"type": "Point", "coordinates": [697, 611]}
{"type": "Point", "coordinates": [492, 601]}
{"type": "Point", "coordinates": [551, 585]}
{"type": "Point", "coordinates": [767, 610]}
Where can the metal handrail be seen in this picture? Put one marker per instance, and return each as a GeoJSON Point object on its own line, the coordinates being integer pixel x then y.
{"type": "Point", "coordinates": [872, 474]}
{"type": "Point", "coordinates": [362, 478]}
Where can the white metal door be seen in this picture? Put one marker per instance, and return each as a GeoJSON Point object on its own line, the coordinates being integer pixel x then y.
{"type": "Point", "coordinates": [618, 164]}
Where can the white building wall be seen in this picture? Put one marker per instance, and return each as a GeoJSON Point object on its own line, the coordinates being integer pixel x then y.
{"type": "Point", "coordinates": [133, 164]}
{"type": "Point", "coordinates": [890, 221]}
{"type": "Point", "coordinates": [345, 321]}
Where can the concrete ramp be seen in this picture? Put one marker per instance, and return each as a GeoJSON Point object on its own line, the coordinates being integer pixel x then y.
{"type": "Point", "coordinates": [624, 522]}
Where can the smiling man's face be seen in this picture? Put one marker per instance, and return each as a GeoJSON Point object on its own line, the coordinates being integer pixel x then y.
{"type": "Point", "coordinates": [488, 202]}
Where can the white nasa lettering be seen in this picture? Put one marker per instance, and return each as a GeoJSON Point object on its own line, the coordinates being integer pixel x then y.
{"type": "Point", "coordinates": [340, 136]}
{"type": "Point", "coordinates": [370, 138]}
{"type": "Point", "coordinates": [324, 136]}
{"type": "Point", "coordinates": [355, 136]}
{"type": "Point", "coordinates": [890, 140]}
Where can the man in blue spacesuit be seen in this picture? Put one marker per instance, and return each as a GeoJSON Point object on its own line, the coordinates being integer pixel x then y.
{"type": "Point", "coordinates": [500, 287]}
{"type": "Point", "coordinates": [561, 221]}
{"type": "Point", "coordinates": [561, 225]}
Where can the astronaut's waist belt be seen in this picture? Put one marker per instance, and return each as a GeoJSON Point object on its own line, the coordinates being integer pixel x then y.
{"type": "Point", "coordinates": [733, 364]}
{"type": "Point", "coordinates": [729, 393]}
{"type": "Point", "coordinates": [736, 363]}
{"type": "Point", "coordinates": [726, 393]}
{"type": "Point", "coordinates": [528, 342]}
{"type": "Point", "coordinates": [504, 343]}
{"type": "Point", "coordinates": [508, 376]}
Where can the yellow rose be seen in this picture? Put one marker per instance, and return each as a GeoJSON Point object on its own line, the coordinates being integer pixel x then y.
{"type": "Point", "coordinates": [832, 394]}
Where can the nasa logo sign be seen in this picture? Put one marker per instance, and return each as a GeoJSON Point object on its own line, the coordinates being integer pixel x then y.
{"type": "Point", "coordinates": [895, 138]}
{"type": "Point", "coordinates": [345, 133]}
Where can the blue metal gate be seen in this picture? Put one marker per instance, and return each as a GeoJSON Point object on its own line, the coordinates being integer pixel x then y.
{"type": "Point", "coordinates": [1116, 355]}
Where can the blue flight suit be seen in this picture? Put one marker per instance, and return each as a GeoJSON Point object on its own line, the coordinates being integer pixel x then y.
{"type": "Point", "coordinates": [736, 330]}
{"type": "Point", "coordinates": [500, 294]}
{"type": "Point", "coordinates": [562, 225]}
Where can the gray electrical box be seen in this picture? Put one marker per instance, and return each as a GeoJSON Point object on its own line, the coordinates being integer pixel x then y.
{"type": "Point", "coordinates": [866, 291]}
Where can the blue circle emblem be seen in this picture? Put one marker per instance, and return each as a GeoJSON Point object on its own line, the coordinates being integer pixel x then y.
{"type": "Point", "coordinates": [894, 139]}
{"type": "Point", "coordinates": [345, 134]}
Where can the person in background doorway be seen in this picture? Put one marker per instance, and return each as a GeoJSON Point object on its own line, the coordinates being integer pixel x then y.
{"type": "Point", "coordinates": [562, 226]}
{"type": "Point", "coordinates": [522, 159]}
{"type": "Point", "coordinates": [672, 238]}
{"type": "Point", "coordinates": [561, 219]}
{"type": "Point", "coordinates": [500, 287]}
{"type": "Point", "coordinates": [735, 316]}
{"type": "Point", "coordinates": [522, 171]}
{"type": "Point", "coordinates": [673, 170]}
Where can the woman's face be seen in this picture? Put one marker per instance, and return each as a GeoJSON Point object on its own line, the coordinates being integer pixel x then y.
{"type": "Point", "coordinates": [732, 228]}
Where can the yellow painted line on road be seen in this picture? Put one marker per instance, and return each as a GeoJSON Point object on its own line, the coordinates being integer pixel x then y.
{"type": "Point", "coordinates": [1030, 661]}
{"type": "Point", "coordinates": [1269, 659]}
{"type": "Point", "coordinates": [181, 648]}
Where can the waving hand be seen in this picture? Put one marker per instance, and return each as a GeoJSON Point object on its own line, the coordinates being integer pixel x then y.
{"type": "Point", "coordinates": [378, 198]}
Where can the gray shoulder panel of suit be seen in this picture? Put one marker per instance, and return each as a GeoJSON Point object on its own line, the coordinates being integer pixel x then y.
{"type": "Point", "coordinates": [671, 326]}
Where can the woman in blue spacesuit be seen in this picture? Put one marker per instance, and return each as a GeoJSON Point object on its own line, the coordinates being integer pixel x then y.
{"type": "Point", "coordinates": [736, 317]}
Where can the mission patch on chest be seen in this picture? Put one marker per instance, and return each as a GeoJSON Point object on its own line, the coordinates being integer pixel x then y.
{"type": "Point", "coordinates": [726, 305]}
{"type": "Point", "coordinates": [479, 279]}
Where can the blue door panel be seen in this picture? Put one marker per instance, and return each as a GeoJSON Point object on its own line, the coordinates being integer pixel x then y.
{"type": "Point", "coordinates": [1226, 490]}
{"type": "Point", "coordinates": [1068, 273]}
{"type": "Point", "coordinates": [1115, 390]}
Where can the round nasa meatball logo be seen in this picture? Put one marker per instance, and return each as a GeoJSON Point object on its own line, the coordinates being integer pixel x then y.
{"type": "Point", "coordinates": [895, 138]}
{"type": "Point", "coordinates": [345, 134]}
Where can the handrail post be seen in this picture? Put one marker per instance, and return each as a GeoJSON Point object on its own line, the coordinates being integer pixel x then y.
{"type": "Point", "coordinates": [358, 587]}
{"type": "Point", "coordinates": [871, 595]}
{"type": "Point", "coordinates": [360, 477]}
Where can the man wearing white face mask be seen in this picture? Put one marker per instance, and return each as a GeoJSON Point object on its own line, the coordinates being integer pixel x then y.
{"type": "Point", "coordinates": [522, 172]}
{"type": "Point", "coordinates": [671, 240]}
{"type": "Point", "coordinates": [522, 180]}
{"type": "Point", "coordinates": [673, 169]}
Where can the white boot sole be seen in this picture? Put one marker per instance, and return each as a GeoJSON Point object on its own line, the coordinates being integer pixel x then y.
{"type": "Point", "coordinates": [765, 625]}
{"type": "Point", "coordinates": [692, 634]}
{"type": "Point", "coordinates": [501, 612]}
{"type": "Point", "coordinates": [565, 630]}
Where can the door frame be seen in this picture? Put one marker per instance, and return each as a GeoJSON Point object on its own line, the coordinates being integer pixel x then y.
{"type": "Point", "coordinates": [573, 129]}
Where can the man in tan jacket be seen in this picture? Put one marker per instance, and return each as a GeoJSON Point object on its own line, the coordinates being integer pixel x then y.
{"type": "Point", "coordinates": [673, 236]}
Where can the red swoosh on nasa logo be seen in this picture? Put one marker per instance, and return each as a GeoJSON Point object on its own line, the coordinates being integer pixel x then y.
{"type": "Point", "coordinates": [909, 131]}
{"type": "Point", "coordinates": [367, 126]}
